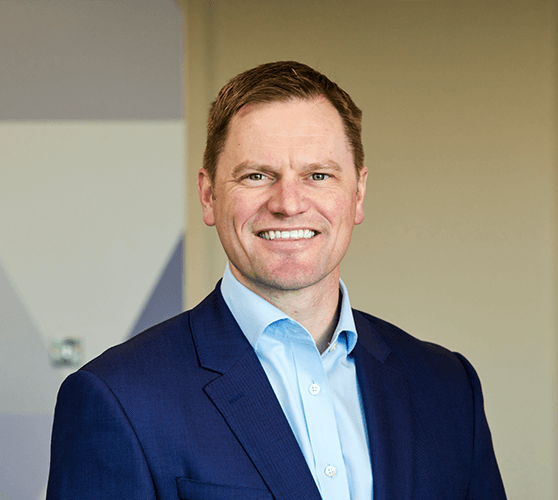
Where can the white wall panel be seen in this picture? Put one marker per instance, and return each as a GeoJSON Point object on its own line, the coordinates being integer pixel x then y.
{"type": "Point", "coordinates": [88, 215]}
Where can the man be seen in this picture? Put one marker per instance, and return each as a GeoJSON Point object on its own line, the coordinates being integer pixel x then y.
{"type": "Point", "coordinates": [273, 387]}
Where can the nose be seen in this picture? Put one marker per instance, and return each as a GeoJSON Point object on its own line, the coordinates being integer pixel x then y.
{"type": "Point", "coordinates": [288, 198]}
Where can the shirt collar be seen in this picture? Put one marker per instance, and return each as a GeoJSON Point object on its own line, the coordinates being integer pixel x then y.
{"type": "Point", "coordinates": [254, 314]}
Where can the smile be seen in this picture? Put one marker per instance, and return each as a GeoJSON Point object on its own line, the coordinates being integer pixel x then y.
{"type": "Point", "coordinates": [287, 235]}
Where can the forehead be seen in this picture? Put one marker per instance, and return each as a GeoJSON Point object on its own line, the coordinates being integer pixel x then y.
{"type": "Point", "coordinates": [291, 129]}
{"type": "Point", "coordinates": [290, 109]}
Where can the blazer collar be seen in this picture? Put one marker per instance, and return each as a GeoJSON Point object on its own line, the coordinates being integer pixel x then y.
{"type": "Point", "coordinates": [218, 339]}
{"type": "Point", "coordinates": [387, 406]}
{"type": "Point", "coordinates": [245, 398]}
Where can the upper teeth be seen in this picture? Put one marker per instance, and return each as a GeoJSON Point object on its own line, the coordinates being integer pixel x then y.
{"type": "Point", "coordinates": [297, 234]}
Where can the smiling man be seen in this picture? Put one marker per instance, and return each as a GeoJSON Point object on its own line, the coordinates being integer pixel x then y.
{"type": "Point", "coordinates": [273, 387]}
{"type": "Point", "coordinates": [284, 197]}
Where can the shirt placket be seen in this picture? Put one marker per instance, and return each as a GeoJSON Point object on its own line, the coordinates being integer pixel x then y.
{"type": "Point", "coordinates": [321, 424]}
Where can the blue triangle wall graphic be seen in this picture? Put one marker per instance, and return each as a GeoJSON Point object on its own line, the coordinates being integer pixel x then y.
{"type": "Point", "coordinates": [167, 298]}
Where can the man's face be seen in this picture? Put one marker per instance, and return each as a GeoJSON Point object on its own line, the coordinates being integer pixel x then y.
{"type": "Point", "coordinates": [285, 196]}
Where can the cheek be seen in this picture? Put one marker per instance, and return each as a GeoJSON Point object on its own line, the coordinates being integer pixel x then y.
{"type": "Point", "coordinates": [342, 210]}
{"type": "Point", "coordinates": [237, 214]}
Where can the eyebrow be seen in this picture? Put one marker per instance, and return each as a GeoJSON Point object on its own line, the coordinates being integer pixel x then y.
{"type": "Point", "coordinates": [326, 165]}
{"type": "Point", "coordinates": [246, 165]}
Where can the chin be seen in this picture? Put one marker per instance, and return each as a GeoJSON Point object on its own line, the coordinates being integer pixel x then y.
{"type": "Point", "coordinates": [290, 281]}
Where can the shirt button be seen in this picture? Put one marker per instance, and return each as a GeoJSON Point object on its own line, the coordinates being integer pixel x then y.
{"type": "Point", "coordinates": [330, 471]}
{"type": "Point", "coordinates": [314, 389]}
{"type": "Point", "coordinates": [334, 346]}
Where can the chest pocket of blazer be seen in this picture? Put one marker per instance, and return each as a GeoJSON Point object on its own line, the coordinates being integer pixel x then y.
{"type": "Point", "coordinates": [196, 490]}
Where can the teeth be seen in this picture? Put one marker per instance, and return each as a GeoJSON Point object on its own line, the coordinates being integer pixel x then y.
{"type": "Point", "coordinates": [286, 235]}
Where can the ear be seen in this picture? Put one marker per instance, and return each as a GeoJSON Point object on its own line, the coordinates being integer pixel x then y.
{"type": "Point", "coordinates": [205, 191]}
{"type": "Point", "coordinates": [361, 192]}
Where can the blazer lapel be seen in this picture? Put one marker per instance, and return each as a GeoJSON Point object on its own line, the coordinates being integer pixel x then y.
{"type": "Point", "coordinates": [247, 402]}
{"type": "Point", "coordinates": [387, 405]}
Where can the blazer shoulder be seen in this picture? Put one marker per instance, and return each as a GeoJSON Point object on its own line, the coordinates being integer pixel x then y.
{"type": "Point", "coordinates": [159, 344]}
{"type": "Point", "coordinates": [156, 345]}
{"type": "Point", "coordinates": [187, 347]}
{"type": "Point", "coordinates": [418, 357]}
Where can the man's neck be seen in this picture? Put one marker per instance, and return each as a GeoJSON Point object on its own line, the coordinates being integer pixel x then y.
{"type": "Point", "coordinates": [315, 307]}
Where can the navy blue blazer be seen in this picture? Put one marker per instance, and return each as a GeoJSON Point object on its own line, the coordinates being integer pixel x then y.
{"type": "Point", "coordinates": [185, 411]}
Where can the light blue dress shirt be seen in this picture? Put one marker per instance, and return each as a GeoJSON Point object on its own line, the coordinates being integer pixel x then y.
{"type": "Point", "coordinates": [318, 393]}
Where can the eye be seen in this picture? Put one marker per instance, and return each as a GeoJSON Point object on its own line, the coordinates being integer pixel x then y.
{"type": "Point", "coordinates": [318, 176]}
{"type": "Point", "coordinates": [255, 177]}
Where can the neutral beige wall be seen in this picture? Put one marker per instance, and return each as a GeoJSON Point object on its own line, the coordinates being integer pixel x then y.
{"type": "Point", "coordinates": [459, 245]}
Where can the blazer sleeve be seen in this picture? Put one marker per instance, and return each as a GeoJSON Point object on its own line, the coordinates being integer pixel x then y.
{"type": "Point", "coordinates": [486, 482]}
{"type": "Point", "coordinates": [95, 453]}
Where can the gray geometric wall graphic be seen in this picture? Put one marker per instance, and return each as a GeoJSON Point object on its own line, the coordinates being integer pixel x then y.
{"type": "Point", "coordinates": [116, 60]}
{"type": "Point", "coordinates": [167, 299]}
{"type": "Point", "coordinates": [28, 384]}
{"type": "Point", "coordinates": [28, 387]}
{"type": "Point", "coordinates": [70, 60]}
{"type": "Point", "coordinates": [24, 455]}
